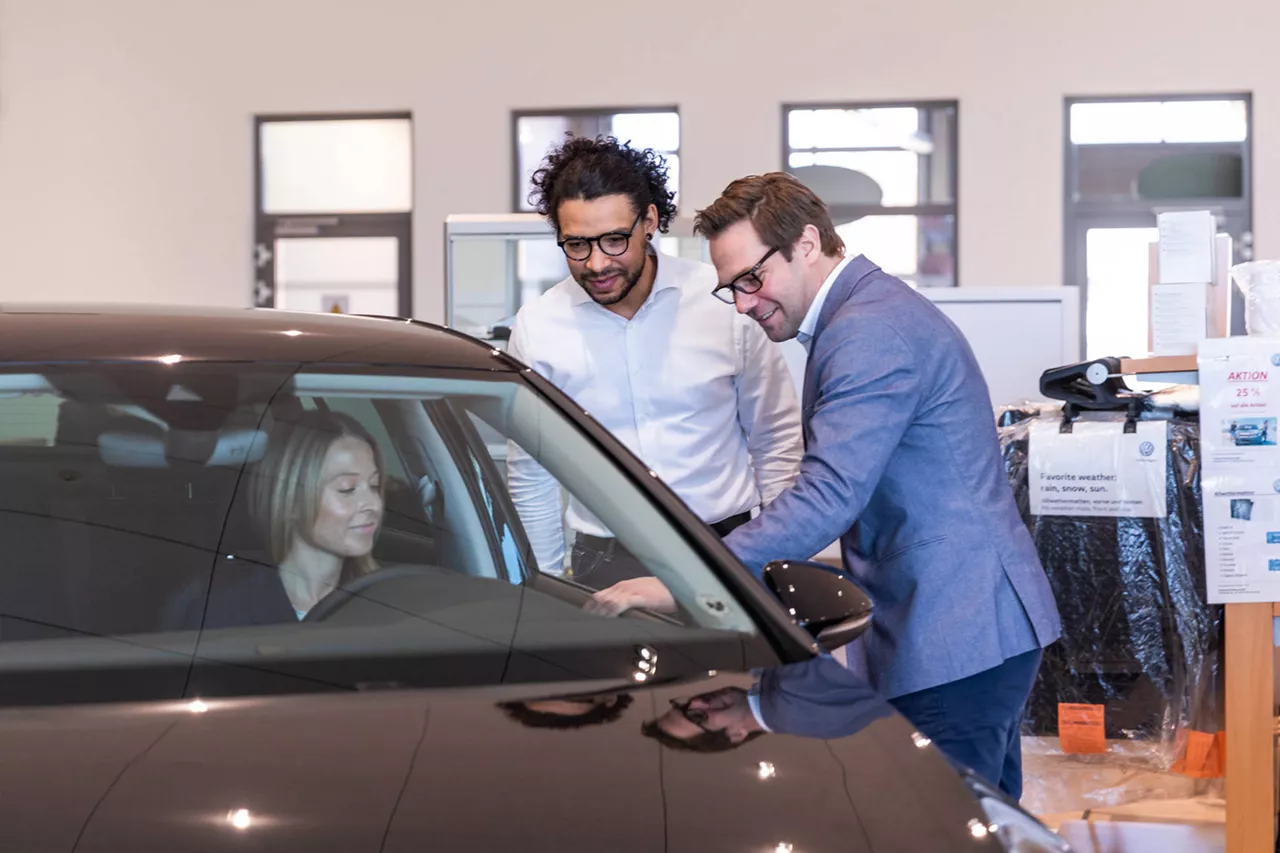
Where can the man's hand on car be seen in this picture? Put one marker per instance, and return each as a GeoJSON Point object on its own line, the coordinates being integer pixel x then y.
{"type": "Point", "coordinates": [647, 593]}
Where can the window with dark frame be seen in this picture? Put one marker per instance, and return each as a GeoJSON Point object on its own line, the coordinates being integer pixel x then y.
{"type": "Point", "coordinates": [887, 172]}
{"type": "Point", "coordinates": [538, 262]}
{"type": "Point", "coordinates": [1128, 159]}
{"type": "Point", "coordinates": [536, 132]}
{"type": "Point", "coordinates": [334, 213]}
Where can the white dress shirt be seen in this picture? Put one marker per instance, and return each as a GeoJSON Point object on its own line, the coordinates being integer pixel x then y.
{"type": "Point", "coordinates": [694, 389]}
{"type": "Point", "coordinates": [810, 323]}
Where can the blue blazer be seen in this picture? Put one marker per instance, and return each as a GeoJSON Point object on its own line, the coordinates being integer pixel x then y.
{"type": "Point", "coordinates": [903, 465]}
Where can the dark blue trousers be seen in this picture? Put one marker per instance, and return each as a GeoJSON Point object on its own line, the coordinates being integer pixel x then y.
{"type": "Point", "coordinates": [976, 721]}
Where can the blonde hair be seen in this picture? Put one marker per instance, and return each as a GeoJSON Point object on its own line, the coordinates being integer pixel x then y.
{"type": "Point", "coordinates": [285, 495]}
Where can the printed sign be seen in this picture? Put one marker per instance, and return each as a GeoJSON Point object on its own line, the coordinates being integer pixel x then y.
{"type": "Point", "coordinates": [1239, 432]}
{"type": "Point", "coordinates": [335, 304]}
{"type": "Point", "coordinates": [1098, 469]}
{"type": "Point", "coordinates": [1082, 729]}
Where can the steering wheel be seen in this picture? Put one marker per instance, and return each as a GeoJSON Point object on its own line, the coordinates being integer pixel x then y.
{"type": "Point", "coordinates": [341, 596]}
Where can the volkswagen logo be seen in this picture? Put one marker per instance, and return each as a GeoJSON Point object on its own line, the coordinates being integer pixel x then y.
{"type": "Point", "coordinates": [1275, 359]}
{"type": "Point", "coordinates": [1146, 448]}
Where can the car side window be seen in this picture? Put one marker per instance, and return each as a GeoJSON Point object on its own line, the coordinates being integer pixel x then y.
{"type": "Point", "coordinates": [221, 530]}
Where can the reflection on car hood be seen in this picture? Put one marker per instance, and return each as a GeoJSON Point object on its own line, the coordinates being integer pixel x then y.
{"type": "Point", "coordinates": [461, 770]}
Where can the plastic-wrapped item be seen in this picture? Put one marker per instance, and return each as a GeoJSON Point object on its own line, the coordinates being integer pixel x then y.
{"type": "Point", "coordinates": [1139, 654]}
{"type": "Point", "coordinates": [1259, 281]}
{"type": "Point", "coordinates": [1123, 780]}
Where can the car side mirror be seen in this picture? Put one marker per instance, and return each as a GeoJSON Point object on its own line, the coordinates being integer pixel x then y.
{"type": "Point", "coordinates": [822, 600]}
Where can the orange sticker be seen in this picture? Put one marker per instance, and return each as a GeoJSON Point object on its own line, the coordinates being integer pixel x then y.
{"type": "Point", "coordinates": [1081, 729]}
{"type": "Point", "coordinates": [1202, 754]}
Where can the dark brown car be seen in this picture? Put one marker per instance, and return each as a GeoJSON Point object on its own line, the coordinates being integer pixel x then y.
{"type": "Point", "coordinates": [161, 689]}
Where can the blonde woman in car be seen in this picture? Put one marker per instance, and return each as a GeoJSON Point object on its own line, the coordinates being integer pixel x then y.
{"type": "Point", "coordinates": [317, 501]}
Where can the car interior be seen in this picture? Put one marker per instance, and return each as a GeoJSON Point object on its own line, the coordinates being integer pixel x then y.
{"type": "Point", "coordinates": [138, 495]}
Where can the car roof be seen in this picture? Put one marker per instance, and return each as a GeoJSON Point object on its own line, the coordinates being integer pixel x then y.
{"type": "Point", "coordinates": [88, 333]}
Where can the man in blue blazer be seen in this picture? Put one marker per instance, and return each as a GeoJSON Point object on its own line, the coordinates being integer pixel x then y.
{"type": "Point", "coordinates": [902, 464]}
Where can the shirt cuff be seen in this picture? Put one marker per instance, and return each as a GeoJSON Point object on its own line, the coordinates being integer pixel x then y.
{"type": "Point", "coordinates": [753, 700]}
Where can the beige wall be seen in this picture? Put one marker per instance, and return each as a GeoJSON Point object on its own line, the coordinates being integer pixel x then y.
{"type": "Point", "coordinates": [126, 132]}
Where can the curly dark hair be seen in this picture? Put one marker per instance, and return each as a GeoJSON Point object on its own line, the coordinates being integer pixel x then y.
{"type": "Point", "coordinates": [594, 716]}
{"type": "Point", "coordinates": [587, 169]}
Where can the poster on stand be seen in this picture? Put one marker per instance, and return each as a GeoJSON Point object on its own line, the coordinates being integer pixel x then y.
{"type": "Point", "coordinates": [1239, 432]}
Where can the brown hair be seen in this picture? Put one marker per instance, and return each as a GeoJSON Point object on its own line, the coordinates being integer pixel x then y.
{"type": "Point", "coordinates": [285, 496]}
{"type": "Point", "coordinates": [778, 206]}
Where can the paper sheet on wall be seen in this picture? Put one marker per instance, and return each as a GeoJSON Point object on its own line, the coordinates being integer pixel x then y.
{"type": "Point", "coordinates": [1178, 313]}
{"type": "Point", "coordinates": [1186, 247]}
{"type": "Point", "coordinates": [1239, 413]}
{"type": "Point", "coordinates": [1098, 470]}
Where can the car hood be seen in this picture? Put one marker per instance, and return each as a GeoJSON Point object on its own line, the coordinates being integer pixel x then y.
{"type": "Point", "coordinates": [456, 770]}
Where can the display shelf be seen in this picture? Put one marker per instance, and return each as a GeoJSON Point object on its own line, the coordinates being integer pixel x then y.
{"type": "Point", "coordinates": [1178, 369]}
{"type": "Point", "coordinates": [1253, 795]}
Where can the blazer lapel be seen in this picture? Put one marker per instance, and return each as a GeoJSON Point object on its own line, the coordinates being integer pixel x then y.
{"type": "Point", "coordinates": [858, 269]}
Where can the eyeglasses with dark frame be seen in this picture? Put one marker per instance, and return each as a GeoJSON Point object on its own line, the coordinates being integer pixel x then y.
{"type": "Point", "coordinates": [613, 244]}
{"type": "Point", "coordinates": [697, 716]}
{"type": "Point", "coordinates": [748, 282]}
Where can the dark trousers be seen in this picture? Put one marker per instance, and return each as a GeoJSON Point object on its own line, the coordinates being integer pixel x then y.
{"type": "Point", "coordinates": [976, 721]}
{"type": "Point", "coordinates": [600, 563]}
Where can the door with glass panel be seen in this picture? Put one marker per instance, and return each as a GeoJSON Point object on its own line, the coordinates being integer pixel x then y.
{"type": "Point", "coordinates": [334, 214]}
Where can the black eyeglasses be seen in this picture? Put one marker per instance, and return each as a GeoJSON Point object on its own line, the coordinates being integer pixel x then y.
{"type": "Point", "coordinates": [612, 244]}
{"type": "Point", "coordinates": [748, 282]}
{"type": "Point", "coordinates": [697, 716]}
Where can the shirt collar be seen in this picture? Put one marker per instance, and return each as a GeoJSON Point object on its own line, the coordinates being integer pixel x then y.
{"type": "Point", "coordinates": [665, 278]}
{"type": "Point", "coordinates": [810, 323]}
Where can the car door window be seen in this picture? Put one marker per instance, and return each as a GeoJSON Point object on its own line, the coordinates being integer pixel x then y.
{"type": "Point", "coordinates": [479, 610]}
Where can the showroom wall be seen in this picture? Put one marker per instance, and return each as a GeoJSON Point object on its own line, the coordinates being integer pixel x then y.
{"type": "Point", "coordinates": [126, 133]}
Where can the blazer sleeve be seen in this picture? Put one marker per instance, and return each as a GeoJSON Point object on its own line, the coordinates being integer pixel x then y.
{"type": "Point", "coordinates": [868, 393]}
{"type": "Point", "coordinates": [816, 698]}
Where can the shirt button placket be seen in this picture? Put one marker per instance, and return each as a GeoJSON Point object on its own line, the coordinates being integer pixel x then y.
{"type": "Point", "coordinates": [634, 356]}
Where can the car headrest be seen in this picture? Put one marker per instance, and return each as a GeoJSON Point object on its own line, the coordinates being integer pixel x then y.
{"type": "Point", "coordinates": [232, 447]}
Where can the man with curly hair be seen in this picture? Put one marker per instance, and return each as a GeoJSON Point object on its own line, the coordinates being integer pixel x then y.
{"type": "Point", "coordinates": [693, 388]}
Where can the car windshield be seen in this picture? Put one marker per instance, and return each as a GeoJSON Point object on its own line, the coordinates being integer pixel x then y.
{"type": "Point", "coordinates": [183, 528]}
